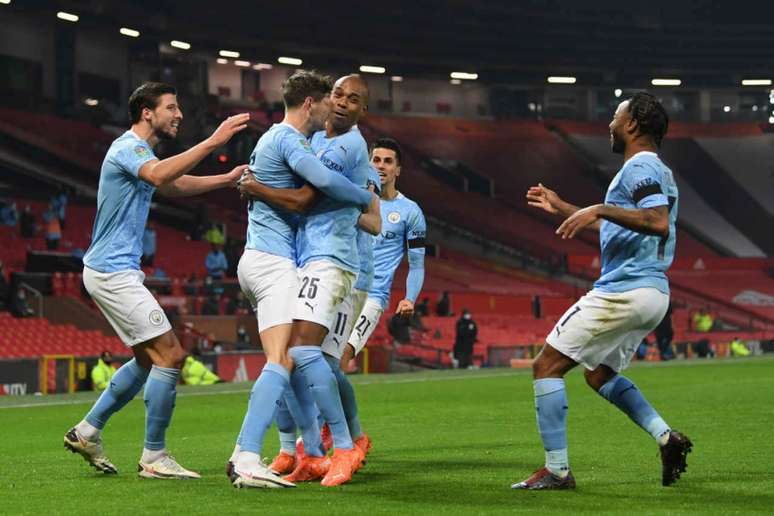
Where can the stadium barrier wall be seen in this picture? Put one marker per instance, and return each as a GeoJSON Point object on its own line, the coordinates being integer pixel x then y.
{"type": "Point", "coordinates": [19, 377]}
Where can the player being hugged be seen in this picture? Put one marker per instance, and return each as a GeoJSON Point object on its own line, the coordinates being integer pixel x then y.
{"type": "Point", "coordinates": [130, 175]}
{"type": "Point", "coordinates": [603, 329]}
{"type": "Point", "coordinates": [283, 160]}
{"type": "Point", "coordinates": [327, 234]}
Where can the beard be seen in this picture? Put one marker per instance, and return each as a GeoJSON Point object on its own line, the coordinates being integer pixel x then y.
{"type": "Point", "coordinates": [163, 135]}
{"type": "Point", "coordinates": [618, 145]}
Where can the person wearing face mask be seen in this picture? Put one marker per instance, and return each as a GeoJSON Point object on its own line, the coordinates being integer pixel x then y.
{"type": "Point", "coordinates": [467, 335]}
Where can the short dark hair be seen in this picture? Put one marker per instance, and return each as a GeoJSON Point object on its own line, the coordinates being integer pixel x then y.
{"type": "Point", "coordinates": [651, 117]}
{"type": "Point", "coordinates": [388, 143]}
{"type": "Point", "coordinates": [147, 96]}
{"type": "Point", "coordinates": [303, 84]}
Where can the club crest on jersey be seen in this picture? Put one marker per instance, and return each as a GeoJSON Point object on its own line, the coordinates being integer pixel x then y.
{"type": "Point", "coordinates": [156, 317]}
{"type": "Point", "coordinates": [141, 151]}
{"type": "Point", "coordinates": [394, 217]}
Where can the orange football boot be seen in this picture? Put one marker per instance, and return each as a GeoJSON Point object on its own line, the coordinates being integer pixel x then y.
{"type": "Point", "coordinates": [310, 468]}
{"type": "Point", "coordinates": [283, 463]}
{"type": "Point", "coordinates": [341, 467]}
{"type": "Point", "coordinates": [364, 443]}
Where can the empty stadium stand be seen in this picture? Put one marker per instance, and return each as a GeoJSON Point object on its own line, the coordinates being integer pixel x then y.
{"type": "Point", "coordinates": [31, 337]}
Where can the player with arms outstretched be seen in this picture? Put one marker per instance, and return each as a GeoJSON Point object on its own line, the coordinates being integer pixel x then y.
{"type": "Point", "coordinates": [130, 175]}
{"type": "Point", "coordinates": [604, 328]}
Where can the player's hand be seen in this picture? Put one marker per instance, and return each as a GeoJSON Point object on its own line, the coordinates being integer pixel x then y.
{"type": "Point", "coordinates": [578, 220]}
{"type": "Point", "coordinates": [245, 184]}
{"type": "Point", "coordinates": [405, 307]}
{"type": "Point", "coordinates": [235, 175]}
{"type": "Point", "coordinates": [544, 198]}
{"type": "Point", "coordinates": [228, 128]}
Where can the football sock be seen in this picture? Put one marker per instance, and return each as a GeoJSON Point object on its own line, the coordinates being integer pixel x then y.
{"type": "Point", "coordinates": [348, 400]}
{"type": "Point", "coordinates": [262, 407]}
{"type": "Point", "coordinates": [286, 426]}
{"type": "Point", "coordinates": [325, 391]}
{"type": "Point", "coordinates": [160, 394]}
{"type": "Point", "coordinates": [622, 393]}
{"type": "Point", "coordinates": [124, 386]}
{"type": "Point", "coordinates": [149, 456]}
{"type": "Point", "coordinates": [304, 411]}
{"type": "Point", "coordinates": [551, 408]}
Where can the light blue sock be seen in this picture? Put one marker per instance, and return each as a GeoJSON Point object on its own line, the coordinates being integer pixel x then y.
{"type": "Point", "coordinates": [262, 407]}
{"type": "Point", "coordinates": [348, 400]}
{"type": "Point", "coordinates": [160, 394]}
{"type": "Point", "coordinates": [325, 391]}
{"type": "Point", "coordinates": [286, 426]}
{"type": "Point", "coordinates": [622, 393]}
{"type": "Point", "coordinates": [304, 412]}
{"type": "Point", "coordinates": [551, 407]}
{"type": "Point", "coordinates": [124, 386]}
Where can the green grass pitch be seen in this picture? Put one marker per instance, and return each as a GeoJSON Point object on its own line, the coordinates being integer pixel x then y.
{"type": "Point", "coordinates": [444, 443]}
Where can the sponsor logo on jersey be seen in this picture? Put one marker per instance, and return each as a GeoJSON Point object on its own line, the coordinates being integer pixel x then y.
{"type": "Point", "coordinates": [394, 217]}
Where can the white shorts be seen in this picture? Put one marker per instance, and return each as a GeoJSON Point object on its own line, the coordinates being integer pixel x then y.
{"type": "Point", "coordinates": [129, 307]}
{"type": "Point", "coordinates": [322, 287]}
{"type": "Point", "coordinates": [606, 328]}
{"type": "Point", "coordinates": [336, 339]}
{"type": "Point", "coordinates": [366, 324]}
{"type": "Point", "coordinates": [270, 283]}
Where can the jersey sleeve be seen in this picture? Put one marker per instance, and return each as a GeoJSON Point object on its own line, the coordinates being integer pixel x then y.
{"type": "Point", "coordinates": [297, 151]}
{"type": "Point", "coordinates": [132, 157]}
{"type": "Point", "coordinates": [374, 179]}
{"type": "Point", "coordinates": [643, 184]}
{"type": "Point", "coordinates": [416, 229]}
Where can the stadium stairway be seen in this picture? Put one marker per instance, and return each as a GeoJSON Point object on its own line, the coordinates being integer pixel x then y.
{"type": "Point", "coordinates": [722, 191]}
{"type": "Point", "coordinates": [747, 159]}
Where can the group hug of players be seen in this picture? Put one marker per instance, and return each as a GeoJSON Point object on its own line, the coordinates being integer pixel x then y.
{"type": "Point", "coordinates": [327, 229]}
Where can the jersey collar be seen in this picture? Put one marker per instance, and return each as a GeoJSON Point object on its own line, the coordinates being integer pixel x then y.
{"type": "Point", "coordinates": [644, 152]}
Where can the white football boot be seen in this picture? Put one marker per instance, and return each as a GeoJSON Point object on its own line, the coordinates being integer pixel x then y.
{"type": "Point", "coordinates": [165, 467]}
{"type": "Point", "coordinates": [91, 451]}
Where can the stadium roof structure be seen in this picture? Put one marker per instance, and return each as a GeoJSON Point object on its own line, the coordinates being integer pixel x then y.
{"type": "Point", "coordinates": [705, 42]}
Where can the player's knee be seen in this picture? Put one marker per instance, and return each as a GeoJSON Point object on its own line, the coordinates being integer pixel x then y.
{"type": "Point", "coordinates": [540, 367]}
{"type": "Point", "coordinates": [598, 377]}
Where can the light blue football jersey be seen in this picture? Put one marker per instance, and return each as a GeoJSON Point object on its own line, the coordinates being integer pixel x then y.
{"type": "Point", "coordinates": [365, 244]}
{"type": "Point", "coordinates": [328, 231]}
{"type": "Point", "coordinates": [403, 229]}
{"type": "Point", "coordinates": [271, 229]}
{"type": "Point", "coordinates": [630, 259]}
{"type": "Point", "coordinates": [123, 202]}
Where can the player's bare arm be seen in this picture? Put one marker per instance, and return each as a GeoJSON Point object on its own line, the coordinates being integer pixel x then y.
{"type": "Point", "coordinates": [546, 199]}
{"type": "Point", "coordinates": [297, 200]}
{"type": "Point", "coordinates": [371, 220]}
{"type": "Point", "coordinates": [651, 221]}
{"type": "Point", "coordinates": [162, 172]}
{"type": "Point", "coordinates": [188, 185]}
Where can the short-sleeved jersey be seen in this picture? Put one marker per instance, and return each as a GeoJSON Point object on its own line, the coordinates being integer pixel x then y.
{"type": "Point", "coordinates": [123, 202]}
{"type": "Point", "coordinates": [630, 259]}
{"type": "Point", "coordinates": [403, 229]}
{"type": "Point", "coordinates": [328, 231]}
{"type": "Point", "coordinates": [365, 244]}
{"type": "Point", "coordinates": [272, 229]}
